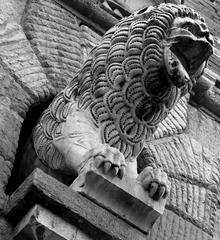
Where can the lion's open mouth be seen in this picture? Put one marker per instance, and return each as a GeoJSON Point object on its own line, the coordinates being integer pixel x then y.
{"type": "Point", "coordinates": [185, 59]}
{"type": "Point", "coordinates": [191, 53]}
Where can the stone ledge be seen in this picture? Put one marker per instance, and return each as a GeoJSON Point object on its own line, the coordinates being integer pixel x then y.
{"type": "Point", "coordinates": [90, 13]}
{"type": "Point", "coordinates": [125, 198]}
{"type": "Point", "coordinates": [39, 188]}
{"type": "Point", "coordinates": [40, 222]}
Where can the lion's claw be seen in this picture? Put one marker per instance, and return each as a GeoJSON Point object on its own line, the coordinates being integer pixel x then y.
{"type": "Point", "coordinates": [110, 159]}
{"type": "Point", "coordinates": [155, 182]}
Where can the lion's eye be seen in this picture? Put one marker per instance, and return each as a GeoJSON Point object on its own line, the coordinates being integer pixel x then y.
{"type": "Point", "coordinates": [191, 28]}
{"type": "Point", "coordinates": [187, 26]}
{"type": "Point", "coordinates": [188, 29]}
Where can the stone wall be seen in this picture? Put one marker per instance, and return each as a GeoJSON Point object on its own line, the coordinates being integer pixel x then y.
{"type": "Point", "coordinates": [42, 45]}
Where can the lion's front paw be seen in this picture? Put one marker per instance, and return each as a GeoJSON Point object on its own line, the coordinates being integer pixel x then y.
{"type": "Point", "coordinates": [156, 182]}
{"type": "Point", "coordinates": [110, 159]}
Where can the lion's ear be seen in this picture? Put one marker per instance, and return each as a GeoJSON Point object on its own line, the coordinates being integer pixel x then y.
{"type": "Point", "coordinates": [145, 11]}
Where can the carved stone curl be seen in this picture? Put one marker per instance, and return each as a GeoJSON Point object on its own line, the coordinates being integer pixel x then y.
{"type": "Point", "coordinates": [127, 86]}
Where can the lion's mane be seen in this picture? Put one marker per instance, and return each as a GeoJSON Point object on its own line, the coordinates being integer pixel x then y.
{"type": "Point", "coordinates": [122, 84]}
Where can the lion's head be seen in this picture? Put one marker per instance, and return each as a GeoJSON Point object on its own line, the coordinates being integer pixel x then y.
{"type": "Point", "coordinates": [140, 69]}
{"type": "Point", "coordinates": [176, 47]}
{"type": "Point", "coordinates": [186, 50]}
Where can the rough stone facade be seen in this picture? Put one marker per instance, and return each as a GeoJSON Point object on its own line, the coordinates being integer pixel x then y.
{"type": "Point", "coordinates": [44, 42]}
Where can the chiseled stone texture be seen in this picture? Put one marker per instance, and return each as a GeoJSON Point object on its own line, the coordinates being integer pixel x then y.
{"type": "Point", "coordinates": [41, 224]}
{"type": "Point", "coordinates": [185, 159]}
{"type": "Point", "coordinates": [12, 10]}
{"type": "Point", "coordinates": [59, 40]}
{"type": "Point", "coordinates": [194, 174]}
{"type": "Point", "coordinates": [175, 122]}
{"type": "Point", "coordinates": [12, 94]}
{"type": "Point", "coordinates": [23, 83]}
{"type": "Point", "coordinates": [205, 129]}
{"type": "Point", "coordinates": [217, 226]}
{"type": "Point", "coordinates": [171, 226]}
{"type": "Point", "coordinates": [58, 45]}
{"type": "Point", "coordinates": [21, 62]}
{"type": "Point", "coordinates": [14, 104]}
{"type": "Point", "coordinates": [54, 34]}
{"type": "Point", "coordinates": [23, 80]}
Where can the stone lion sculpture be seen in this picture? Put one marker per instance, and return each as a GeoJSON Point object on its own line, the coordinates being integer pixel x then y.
{"type": "Point", "coordinates": [127, 86]}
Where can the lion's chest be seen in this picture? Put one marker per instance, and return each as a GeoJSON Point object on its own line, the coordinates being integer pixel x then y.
{"type": "Point", "coordinates": [80, 128]}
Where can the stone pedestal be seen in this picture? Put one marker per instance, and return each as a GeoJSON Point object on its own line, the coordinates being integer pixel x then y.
{"type": "Point", "coordinates": [44, 202]}
{"type": "Point", "coordinates": [41, 224]}
{"type": "Point", "coordinates": [125, 198]}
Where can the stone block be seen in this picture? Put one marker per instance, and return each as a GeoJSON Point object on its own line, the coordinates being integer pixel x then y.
{"type": "Point", "coordinates": [182, 157]}
{"type": "Point", "coordinates": [12, 10]}
{"type": "Point", "coordinates": [125, 197]}
{"type": "Point", "coordinates": [204, 129]}
{"type": "Point", "coordinates": [41, 224]}
{"type": "Point", "coordinates": [40, 188]}
{"type": "Point", "coordinates": [194, 175]}
{"type": "Point", "coordinates": [172, 226]}
{"type": "Point", "coordinates": [19, 59]}
{"type": "Point", "coordinates": [54, 35]}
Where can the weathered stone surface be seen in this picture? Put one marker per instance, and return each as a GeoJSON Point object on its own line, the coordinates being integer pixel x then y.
{"type": "Point", "coordinates": [54, 34]}
{"type": "Point", "coordinates": [205, 129]}
{"type": "Point", "coordinates": [14, 104]}
{"type": "Point", "coordinates": [175, 122]}
{"type": "Point", "coordinates": [72, 207]}
{"type": "Point", "coordinates": [19, 60]}
{"type": "Point", "coordinates": [217, 226]}
{"type": "Point", "coordinates": [194, 176]}
{"type": "Point", "coordinates": [124, 197]}
{"type": "Point", "coordinates": [171, 226]}
{"type": "Point", "coordinates": [12, 95]}
{"type": "Point", "coordinates": [12, 10]}
{"type": "Point", "coordinates": [41, 224]}
{"type": "Point", "coordinates": [5, 229]}
{"type": "Point", "coordinates": [209, 100]}
{"type": "Point", "coordinates": [89, 39]}
{"type": "Point", "coordinates": [91, 13]}
{"type": "Point", "coordinates": [10, 124]}
{"type": "Point", "coordinates": [183, 158]}
{"type": "Point", "coordinates": [195, 203]}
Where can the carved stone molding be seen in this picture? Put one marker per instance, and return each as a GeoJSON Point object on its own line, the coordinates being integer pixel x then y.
{"type": "Point", "coordinates": [39, 188]}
